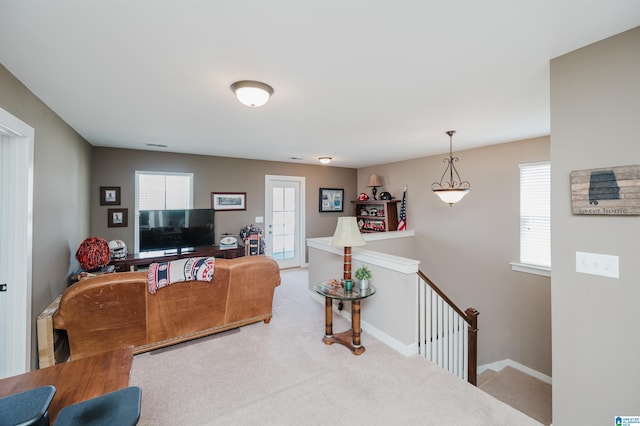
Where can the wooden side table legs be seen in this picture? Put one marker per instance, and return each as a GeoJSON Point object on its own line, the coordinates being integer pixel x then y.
{"type": "Point", "coordinates": [355, 324]}
{"type": "Point", "coordinates": [328, 318]}
{"type": "Point", "coordinates": [349, 338]}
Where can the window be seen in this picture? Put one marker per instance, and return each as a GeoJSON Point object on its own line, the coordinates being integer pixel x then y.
{"type": "Point", "coordinates": [535, 215]}
{"type": "Point", "coordinates": [161, 191]}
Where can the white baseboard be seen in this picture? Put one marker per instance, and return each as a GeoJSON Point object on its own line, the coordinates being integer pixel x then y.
{"type": "Point", "coordinates": [406, 350]}
{"type": "Point", "coordinates": [499, 365]}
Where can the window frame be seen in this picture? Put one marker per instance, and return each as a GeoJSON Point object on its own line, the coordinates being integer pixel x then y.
{"type": "Point", "coordinates": [520, 266]}
{"type": "Point", "coordinates": [138, 173]}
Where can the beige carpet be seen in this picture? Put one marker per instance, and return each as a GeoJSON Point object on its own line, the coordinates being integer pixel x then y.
{"type": "Point", "coordinates": [521, 391]}
{"type": "Point", "coordinates": [282, 374]}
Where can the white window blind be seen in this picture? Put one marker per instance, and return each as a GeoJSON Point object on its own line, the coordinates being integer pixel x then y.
{"type": "Point", "coordinates": [161, 191]}
{"type": "Point", "coordinates": [164, 191]}
{"type": "Point", "coordinates": [535, 214]}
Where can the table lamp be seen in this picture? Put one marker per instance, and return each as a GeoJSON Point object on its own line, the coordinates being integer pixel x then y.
{"type": "Point", "coordinates": [347, 235]}
{"type": "Point", "coordinates": [374, 182]}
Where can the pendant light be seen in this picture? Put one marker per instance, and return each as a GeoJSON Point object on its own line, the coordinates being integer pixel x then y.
{"type": "Point", "coordinates": [454, 190]}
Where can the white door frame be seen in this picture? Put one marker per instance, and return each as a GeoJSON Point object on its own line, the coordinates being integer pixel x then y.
{"type": "Point", "coordinates": [301, 232]}
{"type": "Point", "coordinates": [16, 202]}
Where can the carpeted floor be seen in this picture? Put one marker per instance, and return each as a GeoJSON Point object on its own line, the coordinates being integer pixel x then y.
{"type": "Point", "coordinates": [521, 391]}
{"type": "Point", "coordinates": [282, 374]}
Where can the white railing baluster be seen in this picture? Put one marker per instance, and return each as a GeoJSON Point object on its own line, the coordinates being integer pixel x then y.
{"type": "Point", "coordinates": [427, 307]}
{"type": "Point", "coordinates": [456, 354]}
{"type": "Point", "coordinates": [442, 332]}
{"type": "Point", "coordinates": [465, 355]}
{"type": "Point", "coordinates": [439, 333]}
{"type": "Point", "coordinates": [434, 328]}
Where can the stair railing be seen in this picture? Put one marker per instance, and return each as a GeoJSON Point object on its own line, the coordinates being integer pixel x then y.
{"type": "Point", "coordinates": [441, 331]}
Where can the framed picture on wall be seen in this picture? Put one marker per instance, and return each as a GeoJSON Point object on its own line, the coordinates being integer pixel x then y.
{"type": "Point", "coordinates": [229, 200]}
{"type": "Point", "coordinates": [117, 218]}
{"type": "Point", "coordinates": [109, 195]}
{"type": "Point", "coordinates": [331, 200]}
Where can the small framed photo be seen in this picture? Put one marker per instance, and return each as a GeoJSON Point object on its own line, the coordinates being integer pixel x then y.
{"type": "Point", "coordinates": [331, 200]}
{"type": "Point", "coordinates": [229, 200]}
{"type": "Point", "coordinates": [109, 195]}
{"type": "Point", "coordinates": [118, 218]}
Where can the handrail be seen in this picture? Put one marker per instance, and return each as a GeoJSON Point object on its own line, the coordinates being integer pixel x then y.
{"type": "Point", "coordinates": [444, 296]}
{"type": "Point", "coordinates": [470, 316]}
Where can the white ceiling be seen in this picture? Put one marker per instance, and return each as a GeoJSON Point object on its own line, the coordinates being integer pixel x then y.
{"type": "Point", "coordinates": [365, 82]}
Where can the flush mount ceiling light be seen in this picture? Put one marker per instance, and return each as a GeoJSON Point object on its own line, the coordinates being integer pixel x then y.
{"type": "Point", "coordinates": [325, 160]}
{"type": "Point", "coordinates": [454, 190]}
{"type": "Point", "coordinates": [252, 93]}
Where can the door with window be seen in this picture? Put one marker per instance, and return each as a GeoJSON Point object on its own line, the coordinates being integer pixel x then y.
{"type": "Point", "coordinates": [284, 219]}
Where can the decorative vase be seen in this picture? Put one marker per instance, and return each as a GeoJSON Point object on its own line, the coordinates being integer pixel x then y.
{"type": "Point", "coordinates": [364, 284]}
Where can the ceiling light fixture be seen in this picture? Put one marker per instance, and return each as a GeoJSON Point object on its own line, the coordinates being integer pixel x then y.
{"type": "Point", "coordinates": [252, 93]}
{"type": "Point", "coordinates": [453, 191]}
{"type": "Point", "coordinates": [325, 160]}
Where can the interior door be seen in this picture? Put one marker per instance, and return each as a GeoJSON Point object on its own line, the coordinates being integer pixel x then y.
{"type": "Point", "coordinates": [4, 226]}
{"type": "Point", "coordinates": [16, 213]}
{"type": "Point", "coordinates": [284, 220]}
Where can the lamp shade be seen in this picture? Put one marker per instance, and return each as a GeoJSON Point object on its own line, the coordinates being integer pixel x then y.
{"type": "Point", "coordinates": [374, 180]}
{"type": "Point", "coordinates": [347, 233]}
{"type": "Point", "coordinates": [451, 196]}
{"type": "Point", "coordinates": [252, 93]}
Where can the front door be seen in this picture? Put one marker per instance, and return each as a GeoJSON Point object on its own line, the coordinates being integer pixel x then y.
{"type": "Point", "coordinates": [284, 219]}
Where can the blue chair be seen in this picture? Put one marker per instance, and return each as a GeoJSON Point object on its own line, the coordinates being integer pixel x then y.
{"type": "Point", "coordinates": [121, 408]}
{"type": "Point", "coordinates": [27, 408]}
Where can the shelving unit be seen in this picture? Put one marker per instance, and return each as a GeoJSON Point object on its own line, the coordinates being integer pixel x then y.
{"type": "Point", "coordinates": [376, 215]}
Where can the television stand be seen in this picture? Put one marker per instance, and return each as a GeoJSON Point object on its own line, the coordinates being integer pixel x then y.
{"type": "Point", "coordinates": [142, 260]}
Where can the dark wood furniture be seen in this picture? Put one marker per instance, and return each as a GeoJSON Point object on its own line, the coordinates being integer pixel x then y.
{"type": "Point", "coordinates": [351, 337]}
{"type": "Point", "coordinates": [76, 381]}
{"type": "Point", "coordinates": [376, 215]}
{"type": "Point", "coordinates": [134, 261]}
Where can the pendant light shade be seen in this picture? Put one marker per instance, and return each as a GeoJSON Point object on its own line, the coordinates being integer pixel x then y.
{"type": "Point", "coordinates": [252, 93]}
{"type": "Point", "coordinates": [455, 189]}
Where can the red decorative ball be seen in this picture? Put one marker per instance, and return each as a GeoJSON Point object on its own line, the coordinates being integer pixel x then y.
{"type": "Point", "coordinates": [93, 253]}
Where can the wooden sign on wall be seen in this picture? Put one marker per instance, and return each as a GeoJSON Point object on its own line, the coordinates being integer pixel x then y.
{"type": "Point", "coordinates": [606, 191]}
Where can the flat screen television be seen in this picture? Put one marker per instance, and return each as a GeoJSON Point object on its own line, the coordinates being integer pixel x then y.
{"type": "Point", "coordinates": [175, 229]}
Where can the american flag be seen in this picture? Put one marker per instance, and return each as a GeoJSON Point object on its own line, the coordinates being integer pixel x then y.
{"type": "Point", "coordinates": [402, 221]}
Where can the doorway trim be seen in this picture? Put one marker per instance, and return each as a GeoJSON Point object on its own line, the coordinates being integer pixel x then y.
{"type": "Point", "coordinates": [17, 172]}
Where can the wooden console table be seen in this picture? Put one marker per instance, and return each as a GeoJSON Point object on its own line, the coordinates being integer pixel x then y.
{"type": "Point", "coordinates": [76, 381]}
{"type": "Point", "coordinates": [134, 261]}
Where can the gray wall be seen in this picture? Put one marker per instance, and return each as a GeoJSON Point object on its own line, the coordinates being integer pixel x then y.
{"type": "Point", "coordinates": [466, 249]}
{"type": "Point", "coordinates": [595, 102]}
{"type": "Point", "coordinates": [60, 192]}
{"type": "Point", "coordinates": [116, 167]}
